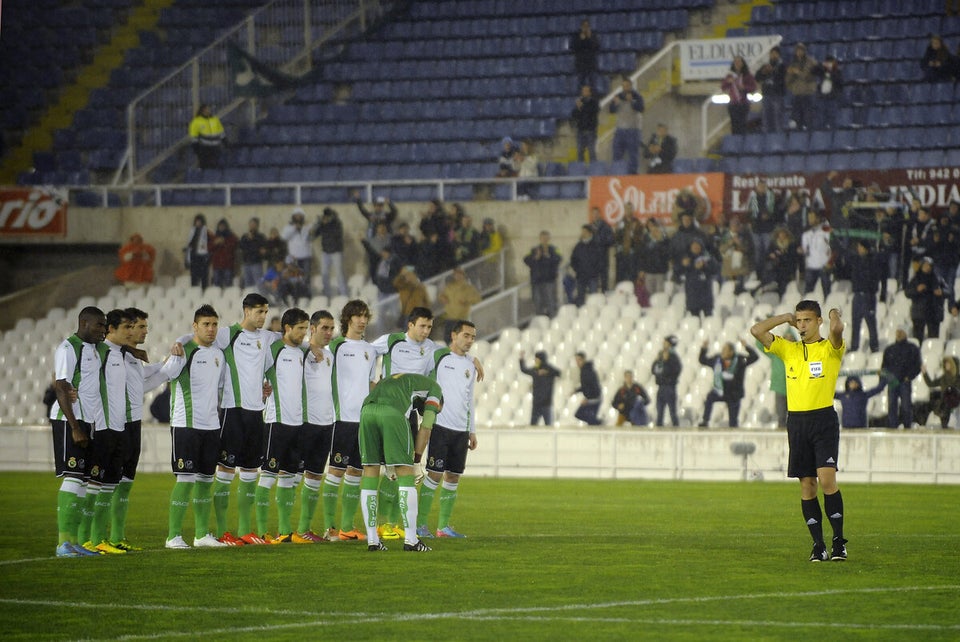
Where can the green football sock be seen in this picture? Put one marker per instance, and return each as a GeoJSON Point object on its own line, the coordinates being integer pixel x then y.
{"type": "Point", "coordinates": [285, 498]}
{"type": "Point", "coordinates": [221, 502]}
{"type": "Point", "coordinates": [428, 488]}
{"type": "Point", "coordinates": [86, 517]}
{"type": "Point", "coordinates": [331, 491]}
{"type": "Point", "coordinates": [448, 496]}
{"type": "Point", "coordinates": [309, 497]}
{"type": "Point", "coordinates": [101, 515]}
{"type": "Point", "coordinates": [349, 502]}
{"type": "Point", "coordinates": [202, 503]}
{"type": "Point", "coordinates": [68, 510]}
{"type": "Point", "coordinates": [262, 509]}
{"type": "Point", "coordinates": [246, 497]}
{"type": "Point", "coordinates": [118, 511]}
{"type": "Point", "coordinates": [387, 500]}
{"type": "Point", "coordinates": [179, 501]}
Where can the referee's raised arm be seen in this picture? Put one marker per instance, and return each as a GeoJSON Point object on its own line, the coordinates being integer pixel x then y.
{"type": "Point", "coordinates": [836, 328]}
{"type": "Point", "coordinates": [761, 329]}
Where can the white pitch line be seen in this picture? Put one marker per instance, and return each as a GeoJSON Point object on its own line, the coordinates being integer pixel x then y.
{"type": "Point", "coordinates": [514, 614]}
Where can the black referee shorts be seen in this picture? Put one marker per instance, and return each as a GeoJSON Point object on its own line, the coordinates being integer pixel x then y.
{"type": "Point", "coordinates": [814, 438]}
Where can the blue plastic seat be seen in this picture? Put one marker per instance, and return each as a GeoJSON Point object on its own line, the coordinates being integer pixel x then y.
{"type": "Point", "coordinates": [576, 168]}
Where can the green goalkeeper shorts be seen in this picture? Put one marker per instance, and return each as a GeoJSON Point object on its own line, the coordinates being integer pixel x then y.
{"type": "Point", "coordinates": [385, 437]}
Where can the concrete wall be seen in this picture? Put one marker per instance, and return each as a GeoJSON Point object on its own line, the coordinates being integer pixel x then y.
{"type": "Point", "coordinates": [929, 457]}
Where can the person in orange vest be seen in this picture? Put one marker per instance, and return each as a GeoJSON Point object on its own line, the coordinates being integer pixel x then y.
{"type": "Point", "coordinates": [136, 261]}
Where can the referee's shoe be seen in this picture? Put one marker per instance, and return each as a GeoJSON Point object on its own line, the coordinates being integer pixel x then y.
{"type": "Point", "coordinates": [839, 553]}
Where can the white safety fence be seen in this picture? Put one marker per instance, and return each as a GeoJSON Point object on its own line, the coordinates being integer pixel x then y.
{"type": "Point", "coordinates": [927, 457]}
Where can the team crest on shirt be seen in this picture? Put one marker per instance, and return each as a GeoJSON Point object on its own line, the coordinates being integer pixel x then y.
{"type": "Point", "coordinates": [272, 463]}
{"type": "Point", "coordinates": [421, 351]}
{"type": "Point", "coordinates": [366, 356]}
{"type": "Point", "coordinates": [216, 361]}
{"type": "Point", "coordinates": [72, 462]}
{"type": "Point", "coordinates": [259, 345]}
{"type": "Point", "coordinates": [95, 471]}
{"type": "Point", "coordinates": [337, 458]}
{"type": "Point", "coordinates": [180, 464]}
{"type": "Point", "coordinates": [466, 374]}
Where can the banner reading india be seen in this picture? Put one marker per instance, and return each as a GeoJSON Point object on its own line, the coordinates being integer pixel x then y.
{"type": "Point", "coordinates": [655, 195]}
{"type": "Point", "coordinates": [32, 211]}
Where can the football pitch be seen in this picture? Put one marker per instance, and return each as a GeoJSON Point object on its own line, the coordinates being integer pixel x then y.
{"type": "Point", "coordinates": [544, 560]}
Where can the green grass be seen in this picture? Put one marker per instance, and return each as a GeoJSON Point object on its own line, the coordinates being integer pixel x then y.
{"type": "Point", "coordinates": [545, 559]}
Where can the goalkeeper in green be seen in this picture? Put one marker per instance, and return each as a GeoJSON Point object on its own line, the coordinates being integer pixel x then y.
{"type": "Point", "coordinates": [385, 437]}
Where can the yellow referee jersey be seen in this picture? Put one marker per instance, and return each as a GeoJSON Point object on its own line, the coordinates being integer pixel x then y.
{"type": "Point", "coordinates": [811, 370]}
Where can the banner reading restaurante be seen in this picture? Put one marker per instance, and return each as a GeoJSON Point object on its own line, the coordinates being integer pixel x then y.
{"type": "Point", "coordinates": [32, 211]}
{"type": "Point", "coordinates": [656, 195]}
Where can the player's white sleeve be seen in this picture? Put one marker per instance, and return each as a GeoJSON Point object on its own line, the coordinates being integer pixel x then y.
{"type": "Point", "coordinates": [173, 366]}
{"type": "Point", "coordinates": [153, 376]}
{"type": "Point", "coordinates": [380, 346]}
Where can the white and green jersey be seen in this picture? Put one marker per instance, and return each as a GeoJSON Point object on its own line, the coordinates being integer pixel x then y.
{"type": "Point", "coordinates": [113, 385]}
{"type": "Point", "coordinates": [401, 354]}
{"type": "Point", "coordinates": [317, 376]}
{"type": "Point", "coordinates": [78, 362]}
{"type": "Point", "coordinates": [141, 378]}
{"type": "Point", "coordinates": [456, 375]}
{"type": "Point", "coordinates": [354, 367]}
{"type": "Point", "coordinates": [246, 354]}
{"type": "Point", "coordinates": [288, 399]}
{"type": "Point", "coordinates": [196, 380]}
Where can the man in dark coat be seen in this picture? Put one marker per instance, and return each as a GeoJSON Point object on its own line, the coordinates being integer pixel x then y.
{"type": "Point", "coordinates": [728, 371]}
{"type": "Point", "coordinates": [544, 376]}
{"type": "Point", "coordinates": [591, 391]}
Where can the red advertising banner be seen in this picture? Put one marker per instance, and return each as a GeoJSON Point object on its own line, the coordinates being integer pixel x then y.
{"type": "Point", "coordinates": [935, 187]}
{"type": "Point", "coordinates": [32, 211]}
{"type": "Point", "coordinates": [655, 195]}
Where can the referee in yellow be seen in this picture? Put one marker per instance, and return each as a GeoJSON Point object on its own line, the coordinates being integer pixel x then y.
{"type": "Point", "coordinates": [812, 365]}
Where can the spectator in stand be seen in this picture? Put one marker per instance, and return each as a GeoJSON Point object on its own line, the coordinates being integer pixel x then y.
{"type": "Point", "coordinates": [458, 298]}
{"type": "Point", "coordinates": [738, 84]}
{"type": "Point", "coordinates": [586, 48]}
{"type": "Point", "coordinates": [223, 254]}
{"type": "Point", "coordinates": [413, 294]}
{"type": "Point", "coordinates": [590, 389]}
{"type": "Point", "coordinates": [628, 134]}
{"type": "Point", "coordinates": [403, 246]}
{"type": "Point", "coordinates": [801, 82]}
{"type": "Point", "coordinates": [544, 375]}
{"type": "Point", "coordinates": [654, 260]}
{"type": "Point", "coordinates": [375, 245]}
{"type": "Point", "coordinates": [936, 63]}
{"type": "Point", "coordinates": [864, 281]}
{"type": "Point", "coordinates": [388, 266]}
{"type": "Point", "coordinates": [252, 253]}
{"type": "Point", "coordinates": [544, 263]}
{"type": "Point", "coordinates": [431, 256]}
{"type": "Point", "coordinates": [491, 241]}
{"type": "Point", "coordinates": [508, 150]}
{"type": "Point", "coordinates": [666, 370]}
{"type": "Point", "coordinates": [528, 166]}
{"type": "Point", "coordinates": [207, 137]}
{"type": "Point", "coordinates": [687, 231]}
{"type": "Point", "coordinates": [197, 252]}
{"type": "Point", "coordinates": [586, 261]}
{"type": "Point", "coordinates": [699, 270]}
{"type": "Point", "coordinates": [736, 254]}
{"type": "Point", "coordinates": [661, 149]}
{"type": "Point", "coordinates": [437, 233]}
{"type": "Point", "coordinates": [384, 211]}
{"type": "Point", "coordinates": [890, 222]}
{"type": "Point", "coordinates": [284, 282]}
{"type": "Point", "coordinates": [330, 230]}
{"type": "Point", "coordinates": [466, 241]}
{"type": "Point", "coordinates": [817, 253]}
{"type": "Point", "coordinates": [780, 262]}
{"type": "Point", "coordinates": [586, 118]}
{"type": "Point", "coordinates": [900, 365]}
{"type": "Point", "coordinates": [136, 261]}
{"type": "Point", "coordinates": [762, 217]}
{"type": "Point", "coordinates": [926, 294]}
{"type": "Point", "coordinates": [945, 391]}
{"type": "Point", "coordinates": [945, 252]}
{"type": "Point", "coordinates": [275, 248]}
{"type": "Point", "coordinates": [729, 369]}
{"type": "Point", "coordinates": [829, 91]}
{"type": "Point", "coordinates": [631, 402]}
{"type": "Point", "coordinates": [627, 248]}
{"type": "Point", "coordinates": [920, 232]}
{"type": "Point", "coordinates": [772, 77]}
{"type": "Point", "coordinates": [854, 401]}
{"type": "Point", "coordinates": [603, 235]}
{"type": "Point", "coordinates": [795, 215]}
{"type": "Point", "coordinates": [297, 236]}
